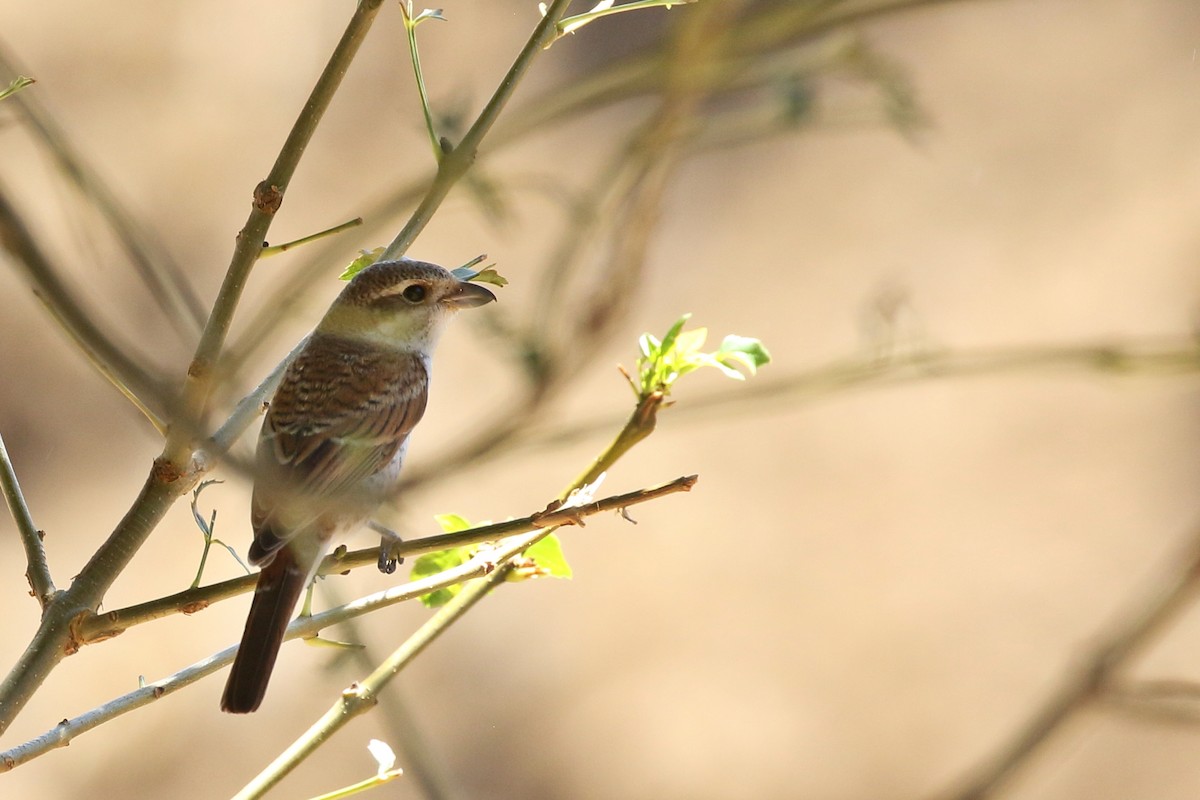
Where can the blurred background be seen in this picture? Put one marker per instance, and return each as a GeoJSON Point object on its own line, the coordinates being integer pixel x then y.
{"type": "Point", "coordinates": [868, 592]}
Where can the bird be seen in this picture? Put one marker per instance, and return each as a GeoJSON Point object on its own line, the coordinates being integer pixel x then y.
{"type": "Point", "coordinates": [333, 440]}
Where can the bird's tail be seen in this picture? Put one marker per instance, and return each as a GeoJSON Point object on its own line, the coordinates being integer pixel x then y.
{"type": "Point", "coordinates": [279, 586]}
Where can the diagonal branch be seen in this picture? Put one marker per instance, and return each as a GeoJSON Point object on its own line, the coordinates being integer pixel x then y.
{"type": "Point", "coordinates": [268, 196]}
{"type": "Point", "coordinates": [162, 276]}
{"type": "Point", "coordinates": [1089, 680]}
{"type": "Point", "coordinates": [38, 570]}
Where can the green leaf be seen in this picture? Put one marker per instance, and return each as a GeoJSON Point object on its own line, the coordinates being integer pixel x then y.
{"type": "Point", "coordinates": [753, 349]}
{"type": "Point", "coordinates": [669, 340]}
{"type": "Point", "coordinates": [435, 564]}
{"type": "Point", "coordinates": [661, 364]}
{"type": "Point", "coordinates": [548, 555]}
{"type": "Point", "coordinates": [689, 342]}
{"type": "Point", "coordinates": [452, 523]}
{"type": "Point", "coordinates": [490, 275]}
{"type": "Point", "coordinates": [365, 259]}
{"type": "Point", "coordinates": [649, 346]}
{"type": "Point", "coordinates": [429, 13]}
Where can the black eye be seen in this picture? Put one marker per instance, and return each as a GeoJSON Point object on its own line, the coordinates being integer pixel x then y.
{"type": "Point", "coordinates": [414, 293]}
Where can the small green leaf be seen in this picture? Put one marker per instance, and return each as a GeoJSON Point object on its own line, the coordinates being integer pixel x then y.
{"type": "Point", "coordinates": [490, 275]}
{"type": "Point", "coordinates": [648, 345]}
{"type": "Point", "coordinates": [452, 523]}
{"type": "Point", "coordinates": [548, 555]}
{"type": "Point", "coordinates": [437, 563]}
{"type": "Point", "coordinates": [429, 13]}
{"type": "Point", "coordinates": [669, 340]}
{"type": "Point", "coordinates": [690, 342]}
{"type": "Point", "coordinates": [365, 259]}
{"type": "Point", "coordinates": [752, 348]}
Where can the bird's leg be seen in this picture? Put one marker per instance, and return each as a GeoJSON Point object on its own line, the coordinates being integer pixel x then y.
{"type": "Point", "coordinates": [389, 539]}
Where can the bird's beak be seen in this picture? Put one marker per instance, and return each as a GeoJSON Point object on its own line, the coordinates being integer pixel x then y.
{"type": "Point", "coordinates": [468, 295]}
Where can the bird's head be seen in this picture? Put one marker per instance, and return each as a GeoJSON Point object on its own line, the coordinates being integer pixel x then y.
{"type": "Point", "coordinates": [401, 304]}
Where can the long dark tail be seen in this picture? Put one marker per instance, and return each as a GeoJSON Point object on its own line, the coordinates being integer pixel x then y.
{"type": "Point", "coordinates": [279, 586]}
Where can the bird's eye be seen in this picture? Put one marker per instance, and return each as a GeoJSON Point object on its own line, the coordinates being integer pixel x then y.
{"type": "Point", "coordinates": [414, 293]}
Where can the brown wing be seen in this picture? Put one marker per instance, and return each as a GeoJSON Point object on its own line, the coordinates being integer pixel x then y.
{"type": "Point", "coordinates": [342, 410]}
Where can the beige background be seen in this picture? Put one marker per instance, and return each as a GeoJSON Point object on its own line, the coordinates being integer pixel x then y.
{"type": "Point", "coordinates": [862, 597]}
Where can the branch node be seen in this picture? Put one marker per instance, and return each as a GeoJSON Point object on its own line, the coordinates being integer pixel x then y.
{"type": "Point", "coordinates": [267, 198]}
{"type": "Point", "coordinates": [165, 470]}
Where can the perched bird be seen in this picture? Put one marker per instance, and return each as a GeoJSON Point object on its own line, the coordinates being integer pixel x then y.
{"type": "Point", "coordinates": [333, 440]}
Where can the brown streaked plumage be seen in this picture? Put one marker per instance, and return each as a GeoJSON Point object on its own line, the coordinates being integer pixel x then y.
{"type": "Point", "coordinates": [334, 438]}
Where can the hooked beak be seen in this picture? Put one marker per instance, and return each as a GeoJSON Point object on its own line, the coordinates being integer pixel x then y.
{"type": "Point", "coordinates": [468, 295]}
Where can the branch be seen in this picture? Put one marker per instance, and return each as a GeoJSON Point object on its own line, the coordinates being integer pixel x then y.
{"type": "Point", "coordinates": [482, 564]}
{"type": "Point", "coordinates": [97, 627]}
{"type": "Point", "coordinates": [454, 164]}
{"type": "Point", "coordinates": [1145, 358]}
{"type": "Point", "coordinates": [268, 196]}
{"type": "Point", "coordinates": [363, 697]}
{"type": "Point", "coordinates": [1172, 701]}
{"type": "Point", "coordinates": [162, 276]}
{"type": "Point", "coordinates": [1088, 680]}
{"type": "Point", "coordinates": [52, 290]}
{"type": "Point", "coordinates": [37, 571]}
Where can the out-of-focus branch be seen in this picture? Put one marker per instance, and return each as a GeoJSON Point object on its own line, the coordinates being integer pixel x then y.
{"type": "Point", "coordinates": [579, 305]}
{"type": "Point", "coordinates": [162, 276]}
{"type": "Point", "coordinates": [100, 366]}
{"type": "Point", "coordinates": [1172, 701]}
{"type": "Point", "coordinates": [1088, 681]}
{"type": "Point", "coordinates": [107, 355]}
{"type": "Point", "coordinates": [1150, 358]}
{"type": "Point", "coordinates": [768, 42]}
{"type": "Point", "coordinates": [37, 569]}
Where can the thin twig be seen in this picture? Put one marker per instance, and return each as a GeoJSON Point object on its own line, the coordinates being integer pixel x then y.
{"type": "Point", "coordinates": [404, 730]}
{"type": "Point", "coordinates": [98, 364]}
{"type": "Point", "coordinates": [162, 276]}
{"type": "Point", "coordinates": [53, 290]}
{"type": "Point", "coordinates": [454, 165]}
{"type": "Point", "coordinates": [276, 249]}
{"type": "Point", "coordinates": [92, 628]}
{"type": "Point", "coordinates": [38, 569]}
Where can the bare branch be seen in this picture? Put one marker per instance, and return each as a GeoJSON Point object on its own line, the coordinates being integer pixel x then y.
{"type": "Point", "coordinates": [93, 628]}
{"type": "Point", "coordinates": [38, 570]}
{"type": "Point", "coordinates": [1088, 680]}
